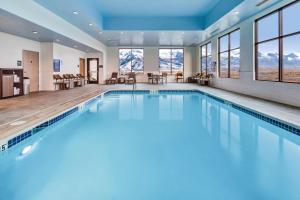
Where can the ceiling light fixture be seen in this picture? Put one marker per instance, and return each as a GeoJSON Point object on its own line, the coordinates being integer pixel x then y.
{"type": "Point", "coordinates": [90, 24]}
{"type": "Point", "coordinates": [75, 12]}
{"type": "Point", "coordinates": [236, 12]}
{"type": "Point", "coordinates": [34, 32]}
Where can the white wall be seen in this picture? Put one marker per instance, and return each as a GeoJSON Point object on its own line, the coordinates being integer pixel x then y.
{"type": "Point", "coordinates": [11, 51]}
{"type": "Point", "coordinates": [46, 66]}
{"type": "Point", "coordinates": [151, 61]}
{"type": "Point", "coordinates": [286, 93]}
{"type": "Point", "coordinates": [69, 58]}
{"type": "Point", "coordinates": [11, 48]}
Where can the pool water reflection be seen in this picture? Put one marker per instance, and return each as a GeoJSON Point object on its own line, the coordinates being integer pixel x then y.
{"type": "Point", "coordinates": [155, 146]}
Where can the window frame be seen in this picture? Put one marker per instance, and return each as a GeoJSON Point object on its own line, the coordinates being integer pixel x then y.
{"type": "Point", "coordinates": [206, 56]}
{"type": "Point", "coordinates": [131, 61]}
{"type": "Point", "coordinates": [280, 39]}
{"type": "Point", "coordinates": [228, 51]}
{"type": "Point", "coordinates": [171, 71]}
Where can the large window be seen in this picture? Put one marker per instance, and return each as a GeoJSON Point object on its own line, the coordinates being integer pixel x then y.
{"type": "Point", "coordinates": [131, 60]}
{"type": "Point", "coordinates": [171, 60]}
{"type": "Point", "coordinates": [206, 60]}
{"type": "Point", "coordinates": [229, 55]}
{"type": "Point", "coordinates": [277, 45]}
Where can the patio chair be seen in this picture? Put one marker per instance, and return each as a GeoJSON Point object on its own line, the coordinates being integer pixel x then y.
{"type": "Point", "coordinates": [131, 78]}
{"type": "Point", "coordinates": [164, 76]}
{"type": "Point", "coordinates": [150, 77]}
{"type": "Point", "coordinates": [179, 76]}
{"type": "Point", "coordinates": [113, 79]}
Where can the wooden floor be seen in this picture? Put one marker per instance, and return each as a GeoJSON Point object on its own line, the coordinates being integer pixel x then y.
{"type": "Point", "coordinates": [38, 107]}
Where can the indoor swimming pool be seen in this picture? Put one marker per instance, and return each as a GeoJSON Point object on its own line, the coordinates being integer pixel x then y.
{"type": "Point", "coordinates": [154, 145]}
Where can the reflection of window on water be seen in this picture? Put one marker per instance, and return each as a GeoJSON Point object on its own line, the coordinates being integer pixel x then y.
{"type": "Point", "coordinates": [267, 145]}
{"type": "Point", "coordinates": [131, 107]}
{"type": "Point", "coordinates": [224, 127]}
{"type": "Point", "coordinates": [230, 132]}
{"type": "Point", "coordinates": [171, 107]}
{"type": "Point", "coordinates": [235, 143]}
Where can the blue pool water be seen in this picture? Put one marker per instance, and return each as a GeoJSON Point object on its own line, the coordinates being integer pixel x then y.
{"type": "Point", "coordinates": [184, 146]}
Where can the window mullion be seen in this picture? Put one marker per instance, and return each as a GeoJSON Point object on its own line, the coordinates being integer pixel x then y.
{"type": "Point", "coordinates": [280, 46]}
{"type": "Point", "coordinates": [229, 46]}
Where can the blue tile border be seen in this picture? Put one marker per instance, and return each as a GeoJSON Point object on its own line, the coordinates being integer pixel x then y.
{"type": "Point", "coordinates": [39, 127]}
{"type": "Point", "coordinates": [56, 119]}
{"type": "Point", "coordinates": [268, 119]}
{"type": "Point", "coordinates": [19, 138]}
{"type": "Point", "coordinates": [126, 92]}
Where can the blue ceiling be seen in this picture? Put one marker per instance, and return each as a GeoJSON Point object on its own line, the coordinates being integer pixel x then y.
{"type": "Point", "coordinates": [141, 14]}
{"type": "Point", "coordinates": [155, 8]}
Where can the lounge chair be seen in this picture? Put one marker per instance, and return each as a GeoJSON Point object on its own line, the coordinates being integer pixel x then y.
{"type": "Point", "coordinates": [68, 78]}
{"type": "Point", "coordinates": [76, 80]}
{"type": "Point", "coordinates": [61, 82]}
{"type": "Point", "coordinates": [82, 79]}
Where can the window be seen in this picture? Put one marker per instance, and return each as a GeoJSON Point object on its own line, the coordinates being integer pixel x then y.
{"type": "Point", "coordinates": [277, 45]}
{"type": "Point", "coordinates": [131, 60]}
{"type": "Point", "coordinates": [206, 60]}
{"type": "Point", "coordinates": [171, 60]}
{"type": "Point", "coordinates": [229, 55]}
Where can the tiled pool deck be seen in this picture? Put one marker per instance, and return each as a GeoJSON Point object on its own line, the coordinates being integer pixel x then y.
{"type": "Point", "coordinates": [39, 107]}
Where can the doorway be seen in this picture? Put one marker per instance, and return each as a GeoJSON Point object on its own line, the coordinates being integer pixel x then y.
{"type": "Point", "coordinates": [30, 61]}
{"type": "Point", "coordinates": [82, 66]}
{"type": "Point", "coordinates": [93, 70]}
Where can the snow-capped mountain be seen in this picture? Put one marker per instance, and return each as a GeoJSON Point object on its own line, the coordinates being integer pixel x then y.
{"type": "Point", "coordinates": [131, 59]}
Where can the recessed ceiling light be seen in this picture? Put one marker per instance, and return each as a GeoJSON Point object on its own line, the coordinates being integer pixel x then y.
{"type": "Point", "coordinates": [75, 12]}
{"type": "Point", "coordinates": [34, 32]}
{"type": "Point", "coordinates": [236, 12]}
{"type": "Point", "coordinates": [90, 24]}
